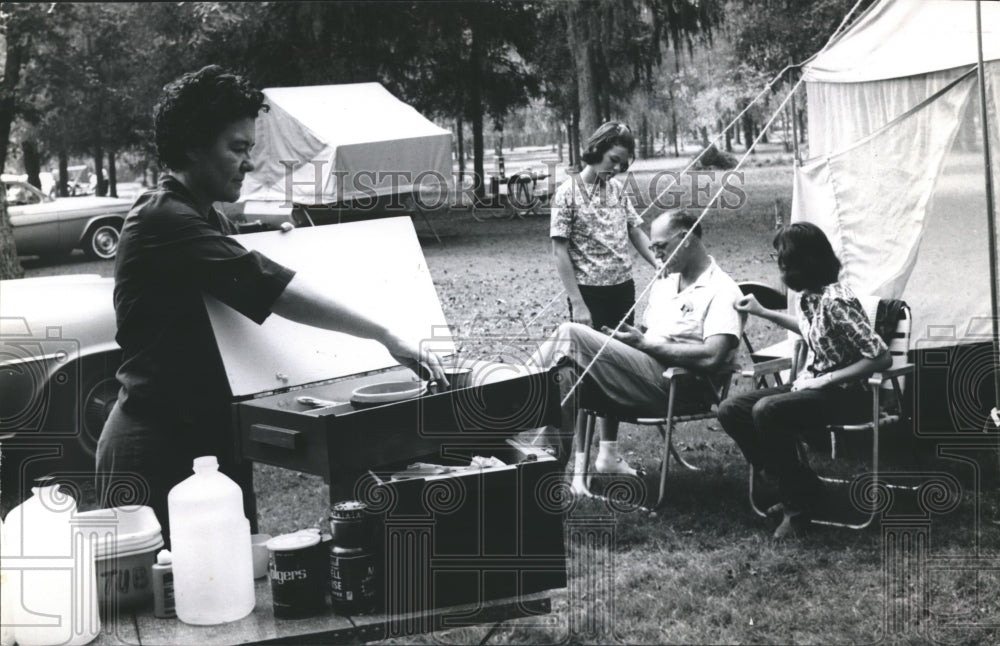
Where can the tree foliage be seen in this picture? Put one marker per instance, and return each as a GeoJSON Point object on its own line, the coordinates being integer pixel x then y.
{"type": "Point", "coordinates": [770, 34]}
{"type": "Point", "coordinates": [81, 78]}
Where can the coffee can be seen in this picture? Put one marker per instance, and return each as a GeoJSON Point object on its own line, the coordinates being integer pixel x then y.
{"type": "Point", "coordinates": [298, 575]}
{"type": "Point", "coordinates": [347, 523]}
{"type": "Point", "coordinates": [352, 579]}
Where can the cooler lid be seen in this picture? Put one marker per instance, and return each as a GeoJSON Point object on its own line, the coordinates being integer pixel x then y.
{"type": "Point", "coordinates": [376, 266]}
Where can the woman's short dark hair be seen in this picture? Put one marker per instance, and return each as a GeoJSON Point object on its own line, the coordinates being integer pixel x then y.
{"type": "Point", "coordinates": [611, 134]}
{"type": "Point", "coordinates": [196, 107]}
{"type": "Point", "coordinates": [806, 257]}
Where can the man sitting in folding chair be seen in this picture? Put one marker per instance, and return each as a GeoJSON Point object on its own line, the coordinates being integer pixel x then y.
{"type": "Point", "coordinates": [690, 323]}
{"type": "Point", "coordinates": [843, 350]}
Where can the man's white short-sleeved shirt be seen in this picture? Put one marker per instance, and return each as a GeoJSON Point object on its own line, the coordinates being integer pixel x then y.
{"type": "Point", "coordinates": [703, 309]}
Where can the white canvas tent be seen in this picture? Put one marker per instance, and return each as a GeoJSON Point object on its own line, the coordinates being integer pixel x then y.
{"type": "Point", "coordinates": [343, 142]}
{"type": "Point", "coordinates": [895, 174]}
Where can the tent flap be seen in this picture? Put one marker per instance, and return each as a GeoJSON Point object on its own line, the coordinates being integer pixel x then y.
{"type": "Point", "coordinates": [896, 175]}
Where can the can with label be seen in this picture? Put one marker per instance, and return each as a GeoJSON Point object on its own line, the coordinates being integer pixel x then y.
{"type": "Point", "coordinates": [298, 575]}
{"type": "Point", "coordinates": [352, 561]}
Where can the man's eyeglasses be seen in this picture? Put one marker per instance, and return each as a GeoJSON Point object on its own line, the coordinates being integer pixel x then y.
{"type": "Point", "coordinates": [774, 256]}
{"type": "Point", "coordinates": [661, 246]}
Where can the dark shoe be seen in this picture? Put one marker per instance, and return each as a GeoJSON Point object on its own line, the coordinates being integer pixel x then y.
{"type": "Point", "coordinates": [776, 510]}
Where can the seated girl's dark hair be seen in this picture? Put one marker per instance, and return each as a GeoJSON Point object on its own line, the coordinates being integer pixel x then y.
{"type": "Point", "coordinates": [195, 108]}
{"type": "Point", "coordinates": [806, 257]}
{"type": "Point", "coordinates": [611, 134]}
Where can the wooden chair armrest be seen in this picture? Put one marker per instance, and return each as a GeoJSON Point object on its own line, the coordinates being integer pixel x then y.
{"type": "Point", "coordinates": [769, 367]}
{"type": "Point", "coordinates": [879, 378]}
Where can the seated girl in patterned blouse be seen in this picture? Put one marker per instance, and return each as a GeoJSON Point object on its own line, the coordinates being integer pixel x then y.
{"type": "Point", "coordinates": [843, 350]}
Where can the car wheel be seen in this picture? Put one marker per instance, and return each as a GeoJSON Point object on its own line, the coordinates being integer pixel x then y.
{"type": "Point", "coordinates": [101, 242]}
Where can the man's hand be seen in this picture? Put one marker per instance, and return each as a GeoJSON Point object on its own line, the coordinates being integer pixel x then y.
{"type": "Point", "coordinates": [421, 360]}
{"type": "Point", "coordinates": [626, 334]}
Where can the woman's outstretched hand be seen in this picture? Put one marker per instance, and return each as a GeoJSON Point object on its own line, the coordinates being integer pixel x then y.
{"type": "Point", "coordinates": [749, 305]}
{"type": "Point", "coordinates": [420, 360]}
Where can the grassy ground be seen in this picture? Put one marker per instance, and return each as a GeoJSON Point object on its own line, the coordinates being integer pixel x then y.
{"type": "Point", "coordinates": [703, 570]}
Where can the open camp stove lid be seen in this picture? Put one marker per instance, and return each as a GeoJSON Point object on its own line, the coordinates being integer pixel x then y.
{"type": "Point", "coordinates": [376, 266]}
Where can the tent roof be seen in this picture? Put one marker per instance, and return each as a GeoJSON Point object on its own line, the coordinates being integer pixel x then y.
{"type": "Point", "coordinates": [352, 113]}
{"type": "Point", "coordinates": [897, 38]}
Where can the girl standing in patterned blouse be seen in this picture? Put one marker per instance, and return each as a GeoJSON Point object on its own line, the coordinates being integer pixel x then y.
{"type": "Point", "coordinates": [843, 350]}
{"type": "Point", "coordinates": [593, 224]}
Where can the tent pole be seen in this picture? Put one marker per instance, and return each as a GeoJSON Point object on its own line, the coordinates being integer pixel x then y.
{"type": "Point", "coordinates": [990, 213]}
{"type": "Point", "coordinates": [795, 114]}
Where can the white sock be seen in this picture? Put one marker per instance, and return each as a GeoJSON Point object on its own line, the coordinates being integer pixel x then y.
{"type": "Point", "coordinates": [608, 451]}
{"type": "Point", "coordinates": [580, 464]}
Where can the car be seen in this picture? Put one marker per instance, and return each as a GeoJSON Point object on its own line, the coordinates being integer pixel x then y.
{"type": "Point", "coordinates": [53, 227]}
{"type": "Point", "coordinates": [58, 359]}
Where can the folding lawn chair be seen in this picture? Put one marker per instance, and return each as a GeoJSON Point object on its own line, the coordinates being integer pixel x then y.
{"type": "Point", "coordinates": [886, 388]}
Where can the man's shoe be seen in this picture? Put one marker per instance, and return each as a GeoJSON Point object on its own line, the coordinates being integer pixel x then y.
{"type": "Point", "coordinates": [776, 510]}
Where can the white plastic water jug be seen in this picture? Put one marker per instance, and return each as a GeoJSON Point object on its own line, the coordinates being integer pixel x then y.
{"type": "Point", "coordinates": [53, 568]}
{"type": "Point", "coordinates": [210, 543]}
{"type": "Point", "coordinates": [7, 600]}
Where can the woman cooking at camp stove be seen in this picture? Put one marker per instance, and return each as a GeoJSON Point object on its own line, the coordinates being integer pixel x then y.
{"type": "Point", "coordinates": [175, 246]}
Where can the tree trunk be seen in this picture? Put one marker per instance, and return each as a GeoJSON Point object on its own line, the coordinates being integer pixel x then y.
{"type": "Point", "coordinates": [32, 162]}
{"type": "Point", "coordinates": [570, 156]}
{"type": "Point", "coordinates": [112, 175]}
{"type": "Point", "coordinates": [788, 129]}
{"type": "Point", "coordinates": [559, 139]}
{"type": "Point", "coordinates": [10, 266]}
{"type": "Point", "coordinates": [102, 186]}
{"type": "Point", "coordinates": [644, 138]}
{"type": "Point", "coordinates": [11, 76]}
{"type": "Point", "coordinates": [61, 189]}
{"type": "Point", "coordinates": [704, 136]}
{"type": "Point", "coordinates": [673, 122]}
{"type": "Point", "coordinates": [476, 105]}
{"type": "Point", "coordinates": [461, 150]}
{"type": "Point", "coordinates": [583, 60]}
{"type": "Point", "coordinates": [729, 140]}
{"type": "Point", "coordinates": [747, 123]}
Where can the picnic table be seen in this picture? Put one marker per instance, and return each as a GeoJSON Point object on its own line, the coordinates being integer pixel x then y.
{"type": "Point", "coordinates": [261, 627]}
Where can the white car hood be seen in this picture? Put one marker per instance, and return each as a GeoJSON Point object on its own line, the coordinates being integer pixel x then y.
{"type": "Point", "coordinates": [88, 202]}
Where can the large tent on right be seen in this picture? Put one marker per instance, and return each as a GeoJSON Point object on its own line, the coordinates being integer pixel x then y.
{"type": "Point", "coordinates": [896, 176]}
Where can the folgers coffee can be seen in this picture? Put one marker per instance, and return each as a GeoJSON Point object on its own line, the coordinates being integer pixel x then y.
{"type": "Point", "coordinates": [352, 561]}
{"type": "Point", "coordinates": [298, 575]}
